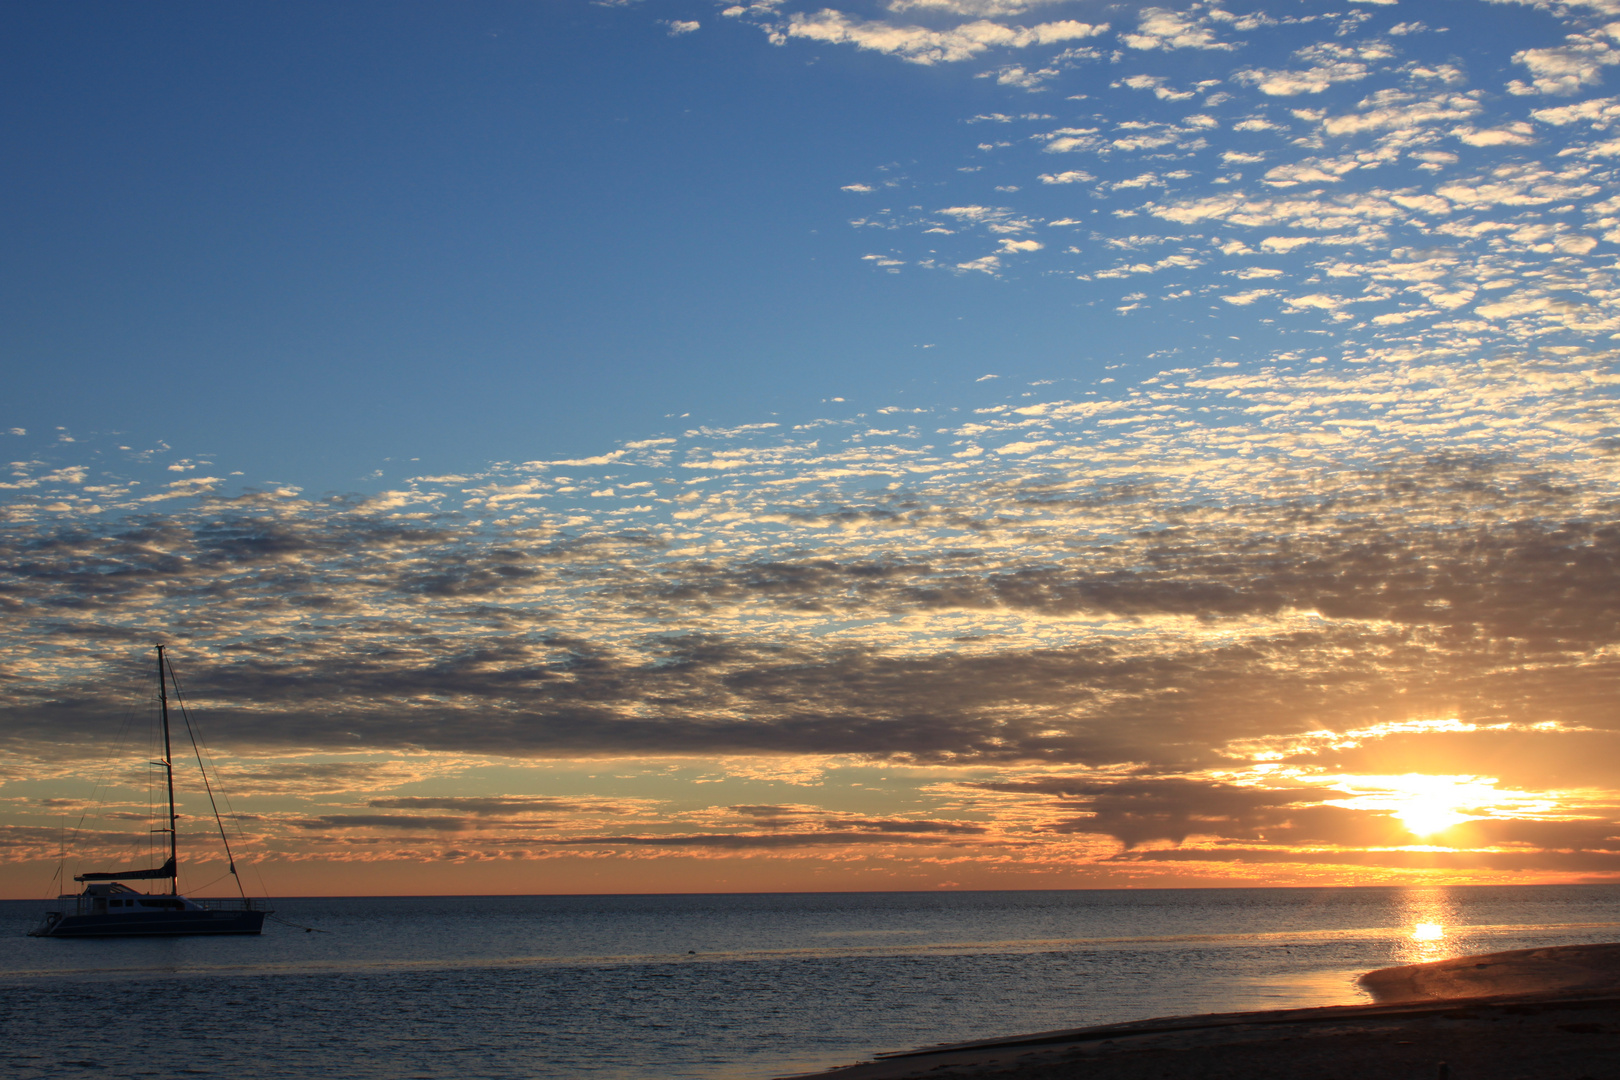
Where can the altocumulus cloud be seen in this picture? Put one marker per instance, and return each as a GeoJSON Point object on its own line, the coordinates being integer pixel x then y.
{"type": "Point", "coordinates": [1209, 561]}
{"type": "Point", "coordinates": [1186, 616]}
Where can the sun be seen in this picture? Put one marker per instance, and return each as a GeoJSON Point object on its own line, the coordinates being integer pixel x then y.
{"type": "Point", "coordinates": [1428, 814]}
{"type": "Point", "coordinates": [1428, 804]}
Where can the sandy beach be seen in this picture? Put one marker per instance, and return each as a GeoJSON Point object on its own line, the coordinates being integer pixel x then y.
{"type": "Point", "coordinates": [1523, 1015]}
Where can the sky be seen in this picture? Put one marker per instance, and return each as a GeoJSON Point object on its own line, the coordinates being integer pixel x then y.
{"type": "Point", "coordinates": [664, 446]}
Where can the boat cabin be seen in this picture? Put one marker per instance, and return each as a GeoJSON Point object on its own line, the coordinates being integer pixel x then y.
{"type": "Point", "coordinates": [101, 898]}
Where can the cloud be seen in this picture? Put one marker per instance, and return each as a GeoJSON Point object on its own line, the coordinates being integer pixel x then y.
{"type": "Point", "coordinates": [1567, 68]}
{"type": "Point", "coordinates": [914, 826]}
{"type": "Point", "coordinates": [502, 677]}
{"type": "Point", "coordinates": [1133, 136]}
{"type": "Point", "coordinates": [1399, 109]}
{"type": "Point", "coordinates": [481, 805]}
{"type": "Point", "coordinates": [1310, 171]}
{"type": "Point", "coordinates": [1171, 809]}
{"type": "Point", "coordinates": [1244, 299]}
{"type": "Point", "coordinates": [1428, 859]}
{"type": "Point", "coordinates": [386, 821]}
{"type": "Point", "coordinates": [1177, 596]}
{"type": "Point", "coordinates": [1598, 113]}
{"type": "Point", "coordinates": [1330, 63]}
{"type": "Point", "coordinates": [1519, 186]}
{"type": "Point", "coordinates": [1147, 605]}
{"type": "Point", "coordinates": [257, 777]}
{"type": "Point", "coordinates": [920, 45]}
{"type": "Point", "coordinates": [1161, 28]}
{"type": "Point", "coordinates": [1514, 134]}
{"type": "Point", "coordinates": [985, 264]}
{"type": "Point", "coordinates": [1351, 219]}
{"type": "Point", "coordinates": [744, 841]}
{"type": "Point", "coordinates": [988, 9]}
{"type": "Point", "coordinates": [1158, 85]}
{"type": "Point", "coordinates": [1072, 176]}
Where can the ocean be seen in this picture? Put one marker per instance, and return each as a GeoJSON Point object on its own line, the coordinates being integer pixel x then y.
{"type": "Point", "coordinates": [714, 987]}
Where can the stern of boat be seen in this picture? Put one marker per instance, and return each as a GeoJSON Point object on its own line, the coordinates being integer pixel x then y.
{"type": "Point", "coordinates": [48, 926]}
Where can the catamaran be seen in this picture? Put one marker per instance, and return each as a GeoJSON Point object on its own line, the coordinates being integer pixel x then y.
{"type": "Point", "coordinates": [109, 908]}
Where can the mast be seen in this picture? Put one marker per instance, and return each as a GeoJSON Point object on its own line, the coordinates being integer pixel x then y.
{"type": "Point", "coordinates": [168, 768]}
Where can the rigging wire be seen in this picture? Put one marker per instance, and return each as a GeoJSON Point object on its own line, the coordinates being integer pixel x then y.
{"type": "Point", "coordinates": [230, 810]}
{"type": "Point", "coordinates": [199, 748]}
{"type": "Point", "coordinates": [191, 733]}
{"type": "Point", "coordinates": [207, 884]}
{"type": "Point", "coordinates": [105, 781]}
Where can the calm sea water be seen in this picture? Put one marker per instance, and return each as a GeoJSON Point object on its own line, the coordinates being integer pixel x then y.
{"type": "Point", "coordinates": [714, 987]}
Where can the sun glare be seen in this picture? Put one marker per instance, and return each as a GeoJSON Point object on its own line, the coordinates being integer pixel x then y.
{"type": "Point", "coordinates": [1428, 931]}
{"type": "Point", "coordinates": [1425, 804]}
{"type": "Point", "coordinates": [1429, 814]}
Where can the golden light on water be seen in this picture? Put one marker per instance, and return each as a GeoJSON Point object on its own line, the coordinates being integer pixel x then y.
{"type": "Point", "coordinates": [1427, 912]}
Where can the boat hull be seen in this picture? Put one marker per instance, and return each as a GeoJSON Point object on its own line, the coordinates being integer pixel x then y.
{"type": "Point", "coordinates": [166, 924]}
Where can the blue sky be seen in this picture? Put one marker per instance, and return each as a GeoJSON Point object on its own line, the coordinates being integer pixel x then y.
{"type": "Point", "coordinates": [927, 442]}
{"type": "Point", "coordinates": [328, 237]}
{"type": "Point", "coordinates": [305, 239]}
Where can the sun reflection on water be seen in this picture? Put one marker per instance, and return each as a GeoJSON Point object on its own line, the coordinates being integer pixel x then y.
{"type": "Point", "coordinates": [1425, 914]}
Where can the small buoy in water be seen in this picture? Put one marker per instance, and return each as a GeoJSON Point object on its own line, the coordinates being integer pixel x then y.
{"type": "Point", "coordinates": [691, 952]}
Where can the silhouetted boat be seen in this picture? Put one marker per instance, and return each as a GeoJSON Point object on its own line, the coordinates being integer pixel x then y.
{"type": "Point", "coordinates": [109, 908]}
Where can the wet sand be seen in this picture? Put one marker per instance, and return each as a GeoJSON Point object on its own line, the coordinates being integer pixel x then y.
{"type": "Point", "coordinates": [1524, 1015]}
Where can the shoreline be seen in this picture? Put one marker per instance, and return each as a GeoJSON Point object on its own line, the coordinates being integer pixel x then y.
{"type": "Point", "coordinates": [1519, 1015]}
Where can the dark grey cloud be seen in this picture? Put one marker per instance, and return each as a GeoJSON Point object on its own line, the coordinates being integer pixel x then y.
{"type": "Point", "coordinates": [1244, 823]}
{"type": "Point", "coordinates": [772, 811]}
{"type": "Point", "coordinates": [311, 777]}
{"type": "Point", "coordinates": [1519, 757]}
{"type": "Point", "coordinates": [777, 817]}
{"type": "Point", "coordinates": [1145, 810]}
{"type": "Point", "coordinates": [831, 832]}
{"type": "Point", "coordinates": [1568, 835]}
{"type": "Point", "coordinates": [47, 842]}
{"type": "Point", "coordinates": [1484, 624]}
{"type": "Point", "coordinates": [1596, 862]}
{"type": "Point", "coordinates": [738, 841]}
{"type": "Point", "coordinates": [387, 821]}
{"type": "Point", "coordinates": [907, 825]}
{"type": "Point", "coordinates": [491, 806]}
{"type": "Point", "coordinates": [1235, 579]}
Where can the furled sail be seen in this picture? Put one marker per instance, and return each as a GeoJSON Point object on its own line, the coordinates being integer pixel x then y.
{"type": "Point", "coordinates": [164, 871]}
